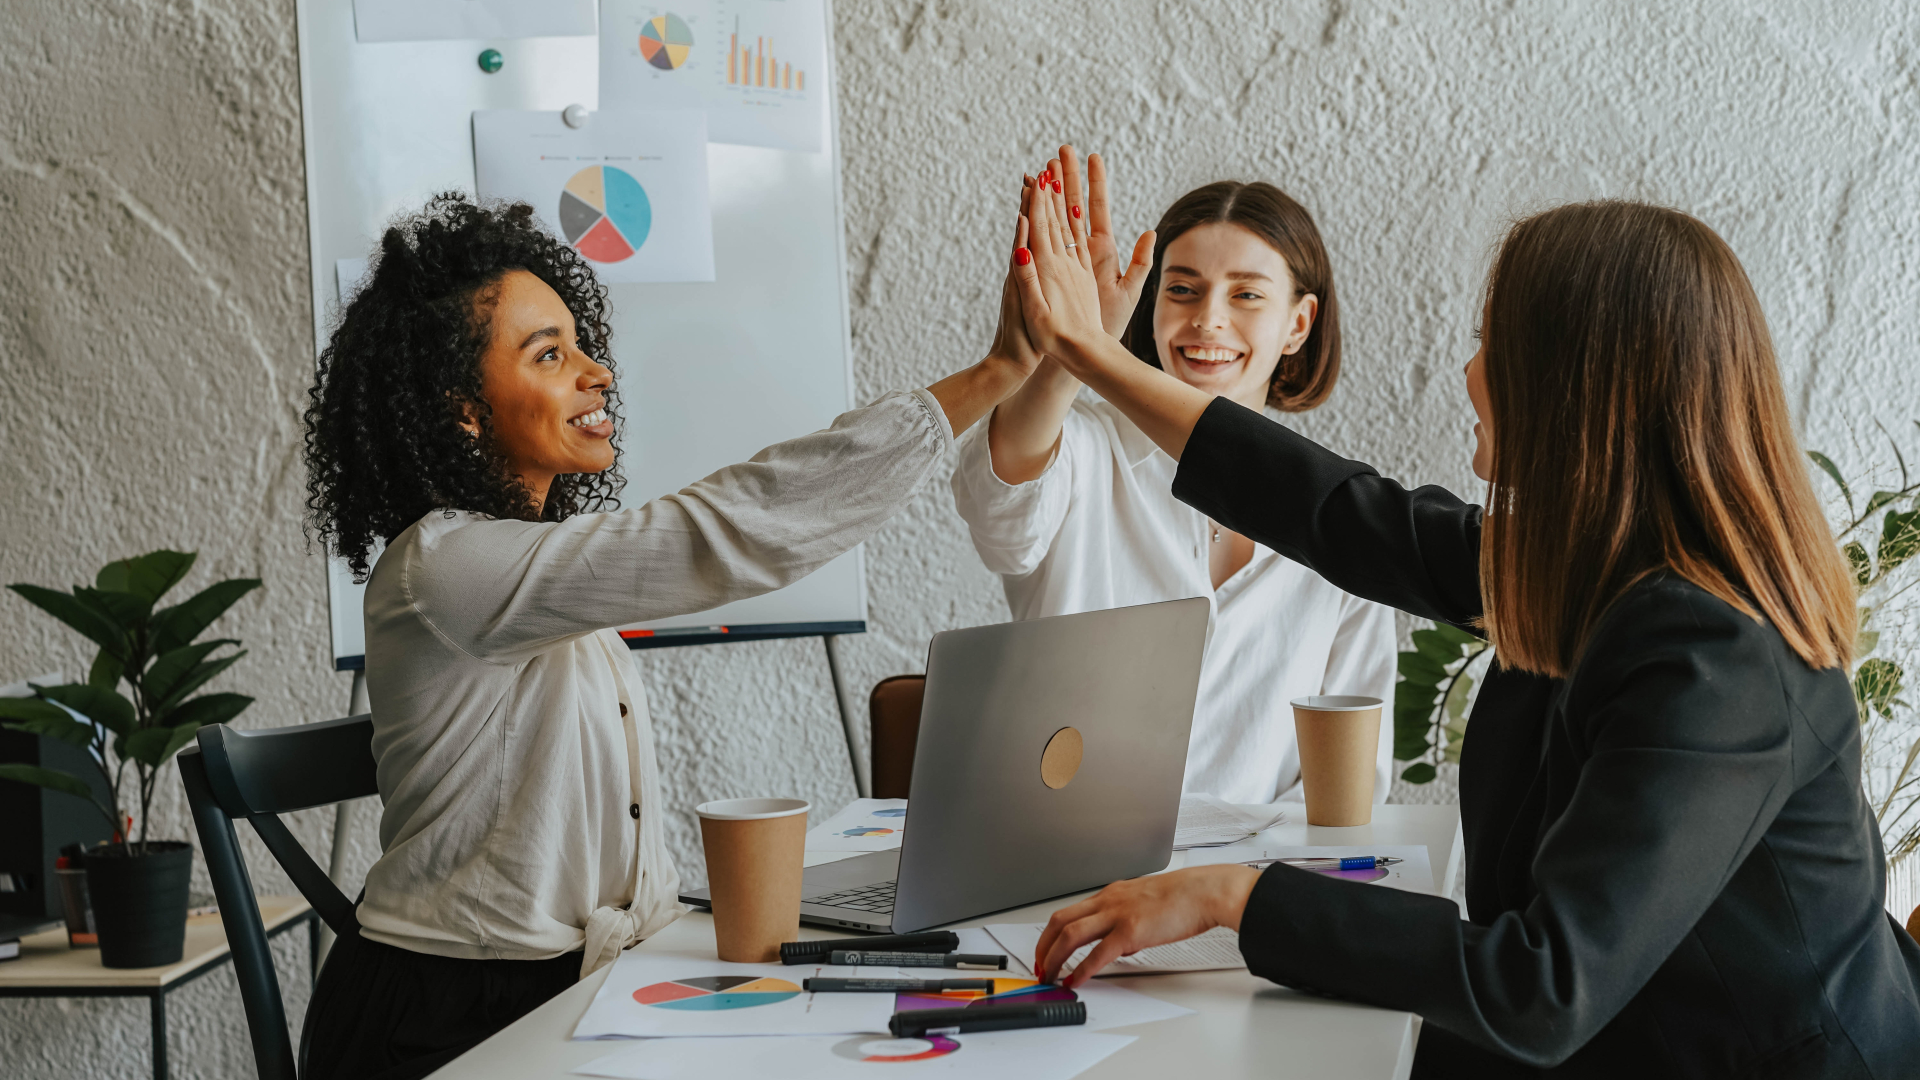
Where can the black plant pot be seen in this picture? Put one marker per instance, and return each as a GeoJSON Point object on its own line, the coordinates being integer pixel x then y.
{"type": "Point", "coordinates": [140, 902]}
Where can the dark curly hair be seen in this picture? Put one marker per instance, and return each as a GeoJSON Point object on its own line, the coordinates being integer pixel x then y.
{"type": "Point", "coordinates": [384, 445]}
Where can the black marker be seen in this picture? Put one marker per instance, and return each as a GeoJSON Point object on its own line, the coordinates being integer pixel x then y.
{"type": "Point", "coordinates": [894, 986]}
{"type": "Point", "coordinates": [816, 952]}
{"type": "Point", "coordinates": [970, 961]}
{"type": "Point", "coordinates": [919, 1023]}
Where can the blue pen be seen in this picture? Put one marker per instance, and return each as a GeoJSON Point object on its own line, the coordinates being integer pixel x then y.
{"type": "Point", "coordinates": [1356, 862]}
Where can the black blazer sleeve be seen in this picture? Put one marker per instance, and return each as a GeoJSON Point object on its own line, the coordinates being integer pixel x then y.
{"type": "Point", "coordinates": [1417, 550]}
{"type": "Point", "coordinates": [1687, 754]}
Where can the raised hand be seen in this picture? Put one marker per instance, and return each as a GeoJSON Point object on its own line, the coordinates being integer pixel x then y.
{"type": "Point", "coordinates": [1128, 916]}
{"type": "Point", "coordinates": [1119, 284]}
{"type": "Point", "coordinates": [1010, 343]}
{"type": "Point", "coordinates": [1054, 269]}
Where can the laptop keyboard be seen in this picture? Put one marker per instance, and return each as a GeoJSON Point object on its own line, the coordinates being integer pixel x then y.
{"type": "Point", "coordinates": [876, 898]}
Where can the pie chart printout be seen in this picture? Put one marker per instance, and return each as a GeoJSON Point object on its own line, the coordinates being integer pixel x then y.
{"type": "Point", "coordinates": [604, 213]}
{"type": "Point", "coordinates": [715, 992]}
{"type": "Point", "coordinates": [665, 41]}
{"type": "Point", "coordinates": [867, 830]}
{"type": "Point", "coordinates": [869, 1048]}
{"type": "Point", "coordinates": [892, 811]}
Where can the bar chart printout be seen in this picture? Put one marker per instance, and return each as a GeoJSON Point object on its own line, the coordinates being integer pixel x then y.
{"type": "Point", "coordinates": [755, 66]}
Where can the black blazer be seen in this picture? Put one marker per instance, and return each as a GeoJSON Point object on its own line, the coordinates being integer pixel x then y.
{"type": "Point", "coordinates": [1671, 869]}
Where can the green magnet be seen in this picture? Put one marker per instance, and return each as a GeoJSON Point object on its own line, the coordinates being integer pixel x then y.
{"type": "Point", "coordinates": [491, 61]}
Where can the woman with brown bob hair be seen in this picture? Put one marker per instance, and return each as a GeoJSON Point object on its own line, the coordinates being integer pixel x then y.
{"type": "Point", "coordinates": [1671, 866]}
{"type": "Point", "coordinates": [1074, 508]}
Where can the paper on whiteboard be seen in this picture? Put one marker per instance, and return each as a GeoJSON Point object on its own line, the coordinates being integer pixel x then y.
{"type": "Point", "coordinates": [1206, 821]}
{"type": "Point", "coordinates": [657, 992]}
{"type": "Point", "coordinates": [1031, 1054]}
{"type": "Point", "coordinates": [628, 190]}
{"type": "Point", "coordinates": [863, 825]}
{"type": "Point", "coordinates": [445, 20]}
{"type": "Point", "coordinates": [1216, 950]}
{"type": "Point", "coordinates": [1413, 874]}
{"type": "Point", "coordinates": [758, 67]}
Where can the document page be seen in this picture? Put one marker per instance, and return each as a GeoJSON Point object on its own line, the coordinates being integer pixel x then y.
{"type": "Point", "coordinates": [1206, 821]}
{"type": "Point", "coordinates": [1412, 873]}
{"type": "Point", "coordinates": [1216, 950]}
{"type": "Point", "coordinates": [862, 825]}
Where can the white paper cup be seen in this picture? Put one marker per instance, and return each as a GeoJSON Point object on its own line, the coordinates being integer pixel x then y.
{"type": "Point", "coordinates": [755, 850]}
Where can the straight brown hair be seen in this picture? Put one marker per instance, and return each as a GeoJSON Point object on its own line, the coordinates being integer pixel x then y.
{"type": "Point", "coordinates": [1639, 426]}
{"type": "Point", "coordinates": [1305, 378]}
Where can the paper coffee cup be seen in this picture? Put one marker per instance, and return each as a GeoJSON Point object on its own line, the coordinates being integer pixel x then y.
{"type": "Point", "coordinates": [755, 850]}
{"type": "Point", "coordinates": [1338, 736]}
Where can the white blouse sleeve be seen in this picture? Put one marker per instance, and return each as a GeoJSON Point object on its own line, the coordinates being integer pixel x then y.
{"type": "Point", "coordinates": [503, 591]}
{"type": "Point", "coordinates": [1013, 525]}
{"type": "Point", "coordinates": [1363, 661]}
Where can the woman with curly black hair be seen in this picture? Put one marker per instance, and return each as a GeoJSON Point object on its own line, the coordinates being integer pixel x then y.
{"type": "Point", "coordinates": [464, 416]}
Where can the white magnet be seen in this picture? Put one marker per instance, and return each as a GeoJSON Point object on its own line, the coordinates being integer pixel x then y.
{"type": "Point", "coordinates": [575, 115]}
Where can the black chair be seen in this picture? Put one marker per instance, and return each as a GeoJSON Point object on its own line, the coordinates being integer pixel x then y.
{"type": "Point", "coordinates": [257, 775]}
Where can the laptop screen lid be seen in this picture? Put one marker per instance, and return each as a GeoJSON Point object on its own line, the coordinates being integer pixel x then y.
{"type": "Point", "coordinates": [1050, 758]}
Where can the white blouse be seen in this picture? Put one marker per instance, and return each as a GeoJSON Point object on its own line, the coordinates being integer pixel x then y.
{"type": "Point", "coordinates": [523, 816]}
{"type": "Point", "coordinates": [1100, 528]}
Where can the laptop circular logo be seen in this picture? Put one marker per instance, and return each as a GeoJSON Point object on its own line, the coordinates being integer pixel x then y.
{"type": "Point", "coordinates": [1060, 761]}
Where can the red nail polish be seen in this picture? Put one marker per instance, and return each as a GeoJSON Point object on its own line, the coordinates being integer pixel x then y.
{"type": "Point", "coordinates": [1022, 256]}
{"type": "Point", "coordinates": [1074, 210]}
{"type": "Point", "coordinates": [1056, 187]}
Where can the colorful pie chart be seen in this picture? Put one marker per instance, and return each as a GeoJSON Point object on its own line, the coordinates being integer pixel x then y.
{"type": "Point", "coordinates": [713, 992]}
{"type": "Point", "coordinates": [892, 811]}
{"type": "Point", "coordinates": [604, 213]}
{"type": "Point", "coordinates": [867, 830]}
{"type": "Point", "coordinates": [665, 41]}
{"type": "Point", "coordinates": [868, 1048]}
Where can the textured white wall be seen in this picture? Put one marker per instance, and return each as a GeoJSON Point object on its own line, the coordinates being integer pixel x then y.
{"type": "Point", "coordinates": [154, 327]}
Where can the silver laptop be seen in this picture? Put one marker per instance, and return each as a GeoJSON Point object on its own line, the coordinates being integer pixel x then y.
{"type": "Point", "coordinates": [1049, 761]}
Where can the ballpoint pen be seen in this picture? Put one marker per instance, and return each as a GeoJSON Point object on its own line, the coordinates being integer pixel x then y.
{"type": "Point", "coordinates": [1354, 862]}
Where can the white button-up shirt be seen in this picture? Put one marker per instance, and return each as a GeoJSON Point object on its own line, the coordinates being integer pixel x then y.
{"type": "Point", "coordinates": [523, 815]}
{"type": "Point", "coordinates": [1100, 528]}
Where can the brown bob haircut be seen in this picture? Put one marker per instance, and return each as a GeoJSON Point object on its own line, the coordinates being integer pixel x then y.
{"type": "Point", "coordinates": [1639, 426]}
{"type": "Point", "coordinates": [1305, 378]}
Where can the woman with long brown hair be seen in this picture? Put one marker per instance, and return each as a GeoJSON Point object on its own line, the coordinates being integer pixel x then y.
{"type": "Point", "coordinates": [1671, 866]}
{"type": "Point", "coordinates": [1074, 509]}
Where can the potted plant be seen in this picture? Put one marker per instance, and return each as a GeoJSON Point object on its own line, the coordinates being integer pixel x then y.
{"type": "Point", "coordinates": [138, 886]}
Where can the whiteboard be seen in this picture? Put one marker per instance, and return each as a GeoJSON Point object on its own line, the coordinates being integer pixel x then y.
{"type": "Point", "coordinates": [709, 372]}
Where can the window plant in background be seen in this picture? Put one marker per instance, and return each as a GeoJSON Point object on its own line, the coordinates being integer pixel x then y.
{"type": "Point", "coordinates": [1880, 540]}
{"type": "Point", "coordinates": [138, 885]}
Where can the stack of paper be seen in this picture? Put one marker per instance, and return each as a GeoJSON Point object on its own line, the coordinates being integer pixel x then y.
{"type": "Point", "coordinates": [1216, 950]}
{"type": "Point", "coordinates": [1206, 821]}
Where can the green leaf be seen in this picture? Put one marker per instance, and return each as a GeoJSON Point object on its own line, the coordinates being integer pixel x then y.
{"type": "Point", "coordinates": [207, 709]}
{"type": "Point", "coordinates": [171, 670]}
{"type": "Point", "coordinates": [1879, 499]}
{"type": "Point", "coordinates": [106, 670]}
{"type": "Point", "coordinates": [104, 707]}
{"type": "Point", "coordinates": [153, 746]}
{"type": "Point", "coordinates": [1899, 539]}
{"type": "Point", "coordinates": [40, 718]}
{"type": "Point", "coordinates": [1866, 642]}
{"type": "Point", "coordinates": [195, 679]}
{"type": "Point", "coordinates": [124, 609]}
{"type": "Point", "coordinates": [1409, 694]}
{"type": "Point", "coordinates": [1452, 752]}
{"type": "Point", "coordinates": [47, 778]}
{"type": "Point", "coordinates": [1436, 646]}
{"type": "Point", "coordinates": [178, 625]}
{"type": "Point", "coordinates": [1422, 773]}
{"type": "Point", "coordinates": [146, 576]}
{"type": "Point", "coordinates": [1420, 669]}
{"type": "Point", "coordinates": [1457, 697]}
{"type": "Point", "coordinates": [1412, 732]}
{"type": "Point", "coordinates": [1876, 683]}
{"type": "Point", "coordinates": [1826, 464]}
{"type": "Point", "coordinates": [1455, 634]}
{"type": "Point", "coordinates": [82, 616]}
{"type": "Point", "coordinates": [1860, 561]}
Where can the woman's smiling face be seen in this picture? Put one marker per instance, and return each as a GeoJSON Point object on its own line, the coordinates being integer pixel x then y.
{"type": "Point", "coordinates": [548, 398]}
{"type": "Point", "coordinates": [1226, 312]}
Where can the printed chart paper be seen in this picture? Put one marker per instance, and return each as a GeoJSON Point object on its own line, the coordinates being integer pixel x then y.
{"type": "Point", "coordinates": [758, 67]}
{"type": "Point", "coordinates": [864, 825]}
{"type": "Point", "coordinates": [1206, 821]}
{"type": "Point", "coordinates": [662, 993]}
{"type": "Point", "coordinates": [449, 20]}
{"type": "Point", "coordinates": [628, 190]}
{"type": "Point", "coordinates": [1029, 1054]}
{"type": "Point", "coordinates": [1414, 874]}
{"type": "Point", "coordinates": [1108, 1006]}
{"type": "Point", "coordinates": [1216, 950]}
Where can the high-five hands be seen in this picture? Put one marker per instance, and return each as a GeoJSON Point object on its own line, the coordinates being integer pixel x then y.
{"type": "Point", "coordinates": [1128, 916]}
{"type": "Point", "coordinates": [1119, 284]}
{"type": "Point", "coordinates": [1059, 295]}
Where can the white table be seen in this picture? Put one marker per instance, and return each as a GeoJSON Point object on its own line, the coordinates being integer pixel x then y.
{"type": "Point", "coordinates": [1240, 1026]}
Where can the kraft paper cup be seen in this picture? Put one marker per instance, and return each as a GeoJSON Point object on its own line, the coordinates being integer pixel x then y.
{"type": "Point", "coordinates": [1338, 736]}
{"type": "Point", "coordinates": [755, 848]}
